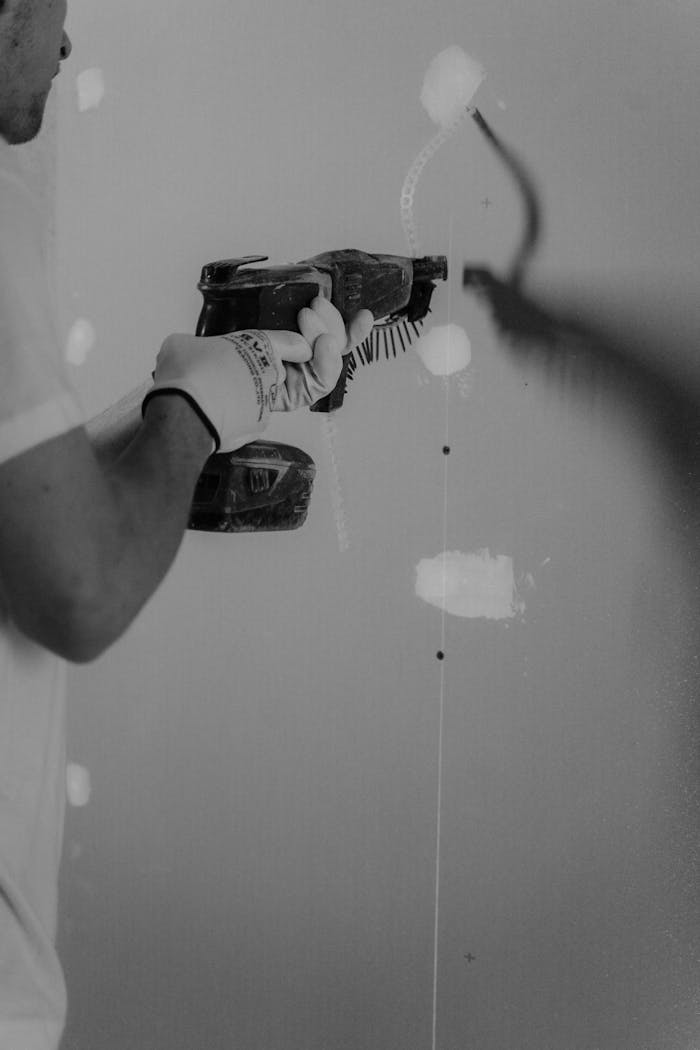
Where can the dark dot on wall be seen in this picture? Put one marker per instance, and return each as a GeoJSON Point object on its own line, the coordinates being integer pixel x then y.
{"type": "Point", "coordinates": [446, 449]}
{"type": "Point", "coordinates": [441, 656]}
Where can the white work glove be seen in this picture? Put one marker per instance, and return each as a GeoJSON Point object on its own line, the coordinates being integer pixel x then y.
{"type": "Point", "coordinates": [234, 381]}
{"type": "Point", "coordinates": [311, 378]}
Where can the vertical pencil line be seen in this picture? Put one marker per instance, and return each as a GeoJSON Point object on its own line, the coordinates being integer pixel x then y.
{"type": "Point", "coordinates": [441, 718]}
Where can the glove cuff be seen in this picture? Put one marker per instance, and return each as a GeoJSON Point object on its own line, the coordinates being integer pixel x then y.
{"type": "Point", "coordinates": [193, 405]}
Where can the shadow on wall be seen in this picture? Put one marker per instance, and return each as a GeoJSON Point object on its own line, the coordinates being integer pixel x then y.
{"type": "Point", "coordinates": [638, 358]}
{"type": "Point", "coordinates": [580, 352]}
{"type": "Point", "coordinates": [584, 355]}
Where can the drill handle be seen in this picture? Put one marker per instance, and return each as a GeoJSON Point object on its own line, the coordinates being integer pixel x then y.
{"type": "Point", "coordinates": [334, 400]}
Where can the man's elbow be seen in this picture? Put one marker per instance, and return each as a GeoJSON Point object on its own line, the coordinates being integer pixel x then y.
{"type": "Point", "coordinates": [83, 644]}
{"type": "Point", "coordinates": [79, 631]}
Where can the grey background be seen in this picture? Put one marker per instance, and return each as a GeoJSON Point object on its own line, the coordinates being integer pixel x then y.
{"type": "Point", "coordinates": [256, 866]}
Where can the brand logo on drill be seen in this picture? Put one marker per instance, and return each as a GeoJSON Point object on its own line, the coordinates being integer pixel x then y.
{"type": "Point", "coordinates": [353, 291]}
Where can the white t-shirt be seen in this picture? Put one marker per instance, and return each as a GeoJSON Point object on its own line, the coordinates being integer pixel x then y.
{"type": "Point", "coordinates": [37, 403]}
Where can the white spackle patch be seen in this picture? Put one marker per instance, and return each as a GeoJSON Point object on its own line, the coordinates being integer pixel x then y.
{"type": "Point", "coordinates": [444, 349]}
{"type": "Point", "coordinates": [470, 585]}
{"type": "Point", "coordinates": [81, 339]}
{"type": "Point", "coordinates": [77, 784]}
{"type": "Point", "coordinates": [450, 82]}
{"type": "Point", "coordinates": [90, 85]}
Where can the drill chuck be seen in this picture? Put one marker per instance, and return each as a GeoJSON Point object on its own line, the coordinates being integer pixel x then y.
{"type": "Point", "coordinates": [430, 268]}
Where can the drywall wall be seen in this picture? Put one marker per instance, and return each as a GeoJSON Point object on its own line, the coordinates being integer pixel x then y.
{"type": "Point", "coordinates": [254, 856]}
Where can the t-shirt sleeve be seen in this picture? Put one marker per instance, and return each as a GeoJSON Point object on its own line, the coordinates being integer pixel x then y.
{"type": "Point", "coordinates": [37, 399]}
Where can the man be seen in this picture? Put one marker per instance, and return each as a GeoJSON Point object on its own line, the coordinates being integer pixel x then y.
{"type": "Point", "coordinates": [91, 515]}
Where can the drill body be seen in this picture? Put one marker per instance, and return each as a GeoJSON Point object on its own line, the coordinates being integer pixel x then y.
{"type": "Point", "coordinates": [266, 485]}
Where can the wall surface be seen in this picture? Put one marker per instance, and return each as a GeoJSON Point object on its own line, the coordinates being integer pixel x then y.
{"type": "Point", "coordinates": [274, 746]}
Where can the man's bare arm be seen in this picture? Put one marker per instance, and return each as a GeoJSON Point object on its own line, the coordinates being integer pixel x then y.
{"type": "Point", "coordinates": [113, 430]}
{"type": "Point", "coordinates": [91, 521]}
{"type": "Point", "coordinates": [84, 543]}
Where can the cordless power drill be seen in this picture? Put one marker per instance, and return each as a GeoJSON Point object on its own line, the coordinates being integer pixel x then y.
{"type": "Point", "coordinates": [264, 485]}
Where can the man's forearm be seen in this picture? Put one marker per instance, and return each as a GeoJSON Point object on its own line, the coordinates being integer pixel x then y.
{"type": "Point", "coordinates": [114, 429]}
{"type": "Point", "coordinates": [151, 483]}
{"type": "Point", "coordinates": [84, 543]}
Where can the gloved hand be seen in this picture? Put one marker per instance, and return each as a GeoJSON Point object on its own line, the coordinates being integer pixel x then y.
{"type": "Point", "coordinates": [309, 379]}
{"type": "Point", "coordinates": [234, 381]}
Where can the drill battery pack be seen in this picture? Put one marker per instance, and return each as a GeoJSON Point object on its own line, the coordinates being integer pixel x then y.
{"type": "Point", "coordinates": [262, 486]}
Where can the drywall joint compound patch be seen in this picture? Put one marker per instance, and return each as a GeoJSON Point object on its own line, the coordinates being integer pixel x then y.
{"type": "Point", "coordinates": [475, 586]}
{"type": "Point", "coordinates": [78, 786]}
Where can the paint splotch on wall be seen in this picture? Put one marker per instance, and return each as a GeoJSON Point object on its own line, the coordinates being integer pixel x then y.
{"type": "Point", "coordinates": [451, 80]}
{"type": "Point", "coordinates": [90, 86]}
{"type": "Point", "coordinates": [80, 341]}
{"type": "Point", "coordinates": [445, 349]}
{"type": "Point", "coordinates": [78, 784]}
{"type": "Point", "coordinates": [472, 585]}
